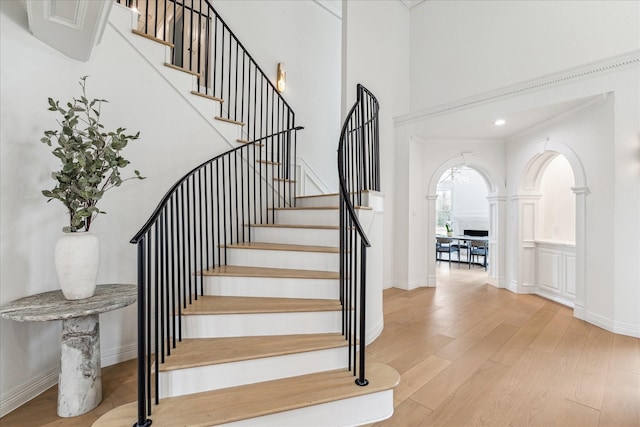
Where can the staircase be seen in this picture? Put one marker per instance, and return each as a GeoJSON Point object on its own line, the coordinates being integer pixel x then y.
{"type": "Point", "coordinates": [263, 345]}
{"type": "Point", "coordinates": [248, 302]}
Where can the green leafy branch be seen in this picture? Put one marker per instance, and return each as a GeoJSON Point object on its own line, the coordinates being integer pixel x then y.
{"type": "Point", "coordinates": [90, 158]}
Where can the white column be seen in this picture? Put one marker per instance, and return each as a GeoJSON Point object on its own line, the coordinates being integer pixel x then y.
{"type": "Point", "coordinates": [431, 240]}
{"type": "Point", "coordinates": [497, 241]}
{"type": "Point", "coordinates": [527, 220]}
{"type": "Point", "coordinates": [581, 251]}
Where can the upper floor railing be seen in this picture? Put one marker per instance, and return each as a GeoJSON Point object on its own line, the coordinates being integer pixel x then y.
{"type": "Point", "coordinates": [358, 171]}
{"type": "Point", "coordinates": [205, 45]}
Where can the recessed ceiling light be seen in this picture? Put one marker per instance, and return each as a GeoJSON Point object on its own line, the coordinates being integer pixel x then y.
{"type": "Point", "coordinates": [500, 122]}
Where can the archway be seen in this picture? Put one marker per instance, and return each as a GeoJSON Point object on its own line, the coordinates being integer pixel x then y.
{"type": "Point", "coordinates": [529, 254]}
{"type": "Point", "coordinates": [497, 203]}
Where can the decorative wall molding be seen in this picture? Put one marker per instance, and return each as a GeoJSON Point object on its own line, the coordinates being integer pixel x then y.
{"type": "Point", "coordinates": [306, 174]}
{"type": "Point", "coordinates": [73, 27]}
{"type": "Point", "coordinates": [544, 82]}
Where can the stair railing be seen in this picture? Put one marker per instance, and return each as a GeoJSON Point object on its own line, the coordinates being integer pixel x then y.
{"type": "Point", "coordinates": [204, 45]}
{"type": "Point", "coordinates": [209, 208]}
{"type": "Point", "coordinates": [358, 171]}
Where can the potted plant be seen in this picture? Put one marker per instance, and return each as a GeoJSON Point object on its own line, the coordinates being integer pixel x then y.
{"type": "Point", "coordinates": [91, 159]}
{"type": "Point", "coordinates": [449, 228]}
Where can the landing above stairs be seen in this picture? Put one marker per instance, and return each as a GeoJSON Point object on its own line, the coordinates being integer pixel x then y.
{"type": "Point", "coordinates": [321, 399]}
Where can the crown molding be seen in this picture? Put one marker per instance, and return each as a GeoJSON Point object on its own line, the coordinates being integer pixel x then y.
{"type": "Point", "coordinates": [550, 80]}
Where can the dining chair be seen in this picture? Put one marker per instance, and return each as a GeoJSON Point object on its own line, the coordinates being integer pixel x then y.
{"type": "Point", "coordinates": [443, 245]}
{"type": "Point", "coordinates": [479, 248]}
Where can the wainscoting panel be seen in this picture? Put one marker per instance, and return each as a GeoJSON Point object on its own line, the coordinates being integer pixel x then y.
{"type": "Point", "coordinates": [556, 271]}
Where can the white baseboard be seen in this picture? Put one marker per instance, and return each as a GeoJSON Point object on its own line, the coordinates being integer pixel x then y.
{"type": "Point", "coordinates": [41, 383]}
{"type": "Point", "coordinates": [24, 393]}
{"type": "Point", "coordinates": [555, 298]}
{"type": "Point", "coordinates": [117, 355]}
{"type": "Point", "coordinates": [374, 331]}
{"type": "Point", "coordinates": [626, 329]}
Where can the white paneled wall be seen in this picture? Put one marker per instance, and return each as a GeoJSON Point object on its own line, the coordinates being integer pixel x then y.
{"type": "Point", "coordinates": [556, 271]}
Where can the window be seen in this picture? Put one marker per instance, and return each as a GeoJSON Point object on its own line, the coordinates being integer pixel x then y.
{"type": "Point", "coordinates": [443, 210]}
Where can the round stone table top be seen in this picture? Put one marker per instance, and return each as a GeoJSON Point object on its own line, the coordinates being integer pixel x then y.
{"type": "Point", "coordinates": [52, 305]}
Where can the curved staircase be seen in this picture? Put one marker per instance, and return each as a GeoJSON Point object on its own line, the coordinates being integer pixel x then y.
{"type": "Point", "coordinates": [249, 313]}
{"type": "Point", "coordinates": [264, 347]}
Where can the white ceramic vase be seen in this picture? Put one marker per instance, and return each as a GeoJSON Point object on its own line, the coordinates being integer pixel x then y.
{"type": "Point", "coordinates": [77, 256]}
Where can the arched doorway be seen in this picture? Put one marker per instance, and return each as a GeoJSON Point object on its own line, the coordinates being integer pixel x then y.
{"type": "Point", "coordinates": [545, 265]}
{"type": "Point", "coordinates": [497, 205]}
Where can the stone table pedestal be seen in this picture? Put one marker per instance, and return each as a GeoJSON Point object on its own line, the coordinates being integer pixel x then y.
{"type": "Point", "coordinates": [80, 379]}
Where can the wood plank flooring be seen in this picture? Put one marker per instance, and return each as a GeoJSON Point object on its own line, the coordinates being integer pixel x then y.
{"type": "Point", "coordinates": [473, 355]}
{"type": "Point", "coordinates": [469, 354]}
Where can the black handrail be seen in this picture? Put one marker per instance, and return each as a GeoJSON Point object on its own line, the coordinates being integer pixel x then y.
{"type": "Point", "coordinates": [204, 44]}
{"type": "Point", "coordinates": [210, 207]}
{"type": "Point", "coordinates": [358, 171]}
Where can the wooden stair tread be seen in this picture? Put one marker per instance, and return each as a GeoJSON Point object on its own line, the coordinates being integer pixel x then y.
{"type": "Point", "coordinates": [282, 273]}
{"type": "Point", "coordinates": [184, 70]}
{"type": "Point", "coordinates": [245, 141]}
{"type": "Point", "coordinates": [283, 247]}
{"type": "Point", "coordinates": [211, 304]}
{"type": "Point", "coordinates": [191, 353]}
{"type": "Point", "coordinates": [150, 37]}
{"type": "Point", "coordinates": [269, 162]}
{"type": "Point", "coordinates": [302, 226]}
{"type": "Point", "coordinates": [310, 208]}
{"type": "Point", "coordinates": [204, 95]}
{"type": "Point", "coordinates": [254, 400]}
{"type": "Point", "coordinates": [316, 195]}
{"type": "Point", "coordinates": [224, 119]}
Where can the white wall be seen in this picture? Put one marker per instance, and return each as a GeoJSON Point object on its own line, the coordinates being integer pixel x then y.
{"type": "Point", "coordinates": [376, 54]}
{"type": "Point", "coordinates": [470, 206]}
{"type": "Point", "coordinates": [465, 47]}
{"type": "Point", "coordinates": [557, 202]}
{"type": "Point", "coordinates": [174, 138]}
{"type": "Point", "coordinates": [306, 37]}
{"type": "Point", "coordinates": [480, 57]}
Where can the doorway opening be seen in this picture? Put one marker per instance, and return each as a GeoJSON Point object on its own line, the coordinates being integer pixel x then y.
{"type": "Point", "coordinates": [462, 219]}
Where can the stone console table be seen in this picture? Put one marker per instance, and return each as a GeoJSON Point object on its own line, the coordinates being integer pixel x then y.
{"type": "Point", "coordinates": [80, 378]}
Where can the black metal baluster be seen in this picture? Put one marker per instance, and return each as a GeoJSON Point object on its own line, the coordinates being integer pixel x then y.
{"type": "Point", "coordinates": [224, 213]}
{"type": "Point", "coordinates": [188, 236]}
{"type": "Point", "coordinates": [143, 421]}
{"type": "Point", "coordinates": [199, 271]}
{"type": "Point", "coordinates": [206, 220]}
{"type": "Point", "coordinates": [218, 206]}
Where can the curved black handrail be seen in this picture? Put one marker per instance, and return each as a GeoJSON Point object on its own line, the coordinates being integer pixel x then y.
{"type": "Point", "coordinates": [358, 171]}
{"type": "Point", "coordinates": [212, 206]}
{"type": "Point", "coordinates": [156, 213]}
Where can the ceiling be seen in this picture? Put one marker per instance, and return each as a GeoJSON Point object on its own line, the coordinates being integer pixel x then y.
{"type": "Point", "coordinates": [477, 123]}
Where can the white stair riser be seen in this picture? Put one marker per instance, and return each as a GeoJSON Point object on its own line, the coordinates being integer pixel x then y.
{"type": "Point", "coordinates": [260, 324]}
{"type": "Point", "coordinates": [272, 287]}
{"type": "Point", "coordinates": [308, 216]}
{"type": "Point", "coordinates": [323, 261]}
{"type": "Point", "coordinates": [296, 236]}
{"type": "Point", "coordinates": [318, 201]}
{"type": "Point", "coordinates": [329, 200]}
{"type": "Point", "coordinates": [212, 377]}
{"type": "Point", "coordinates": [354, 411]}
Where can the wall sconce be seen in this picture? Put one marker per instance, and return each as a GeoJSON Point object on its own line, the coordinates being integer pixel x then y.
{"type": "Point", "coordinates": [281, 80]}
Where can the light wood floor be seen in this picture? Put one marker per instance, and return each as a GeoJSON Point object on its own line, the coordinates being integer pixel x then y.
{"type": "Point", "coordinates": [473, 355]}
{"type": "Point", "coordinates": [469, 354]}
